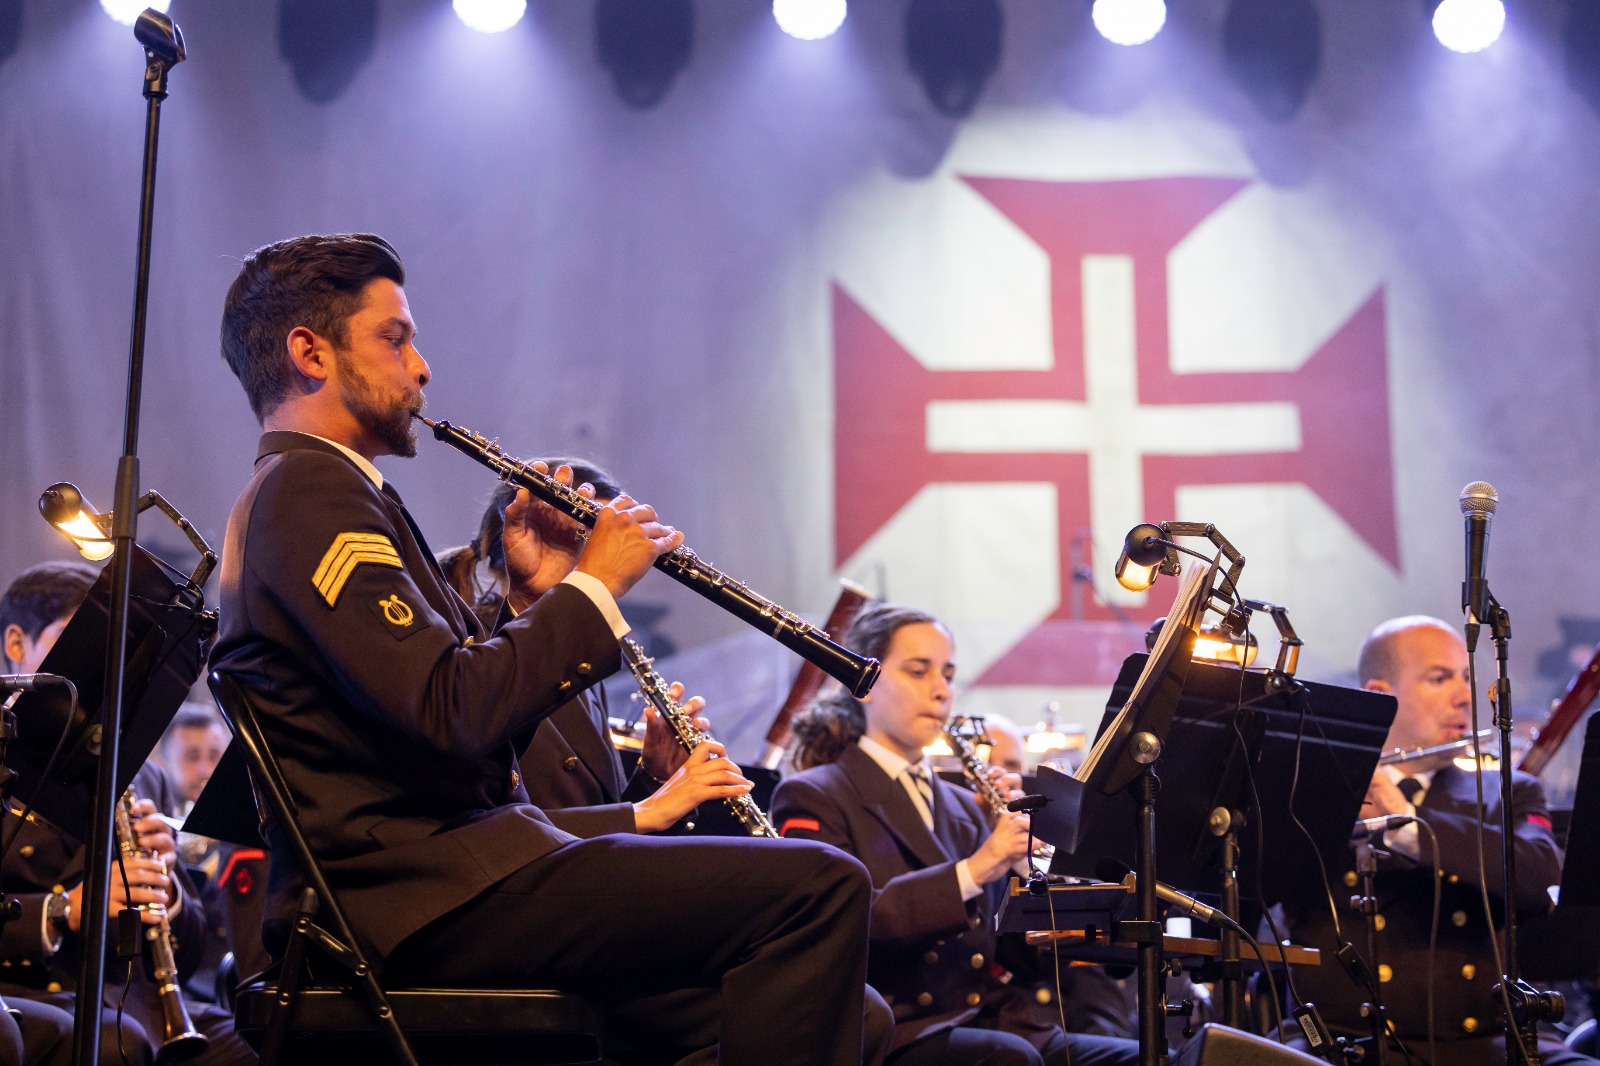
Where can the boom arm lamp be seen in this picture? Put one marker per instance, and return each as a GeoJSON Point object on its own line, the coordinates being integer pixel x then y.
{"type": "Point", "coordinates": [66, 508]}
{"type": "Point", "coordinates": [1149, 550]}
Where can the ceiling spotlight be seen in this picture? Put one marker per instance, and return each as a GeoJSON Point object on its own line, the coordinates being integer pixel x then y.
{"type": "Point", "coordinates": [809, 20]}
{"type": "Point", "coordinates": [1469, 25]}
{"type": "Point", "coordinates": [127, 11]}
{"type": "Point", "coordinates": [490, 16]}
{"type": "Point", "coordinates": [1129, 21]}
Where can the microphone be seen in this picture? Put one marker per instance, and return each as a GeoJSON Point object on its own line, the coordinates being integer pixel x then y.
{"type": "Point", "coordinates": [1383, 823]}
{"type": "Point", "coordinates": [1110, 869]}
{"type": "Point", "coordinates": [29, 682]}
{"type": "Point", "coordinates": [1478, 502]}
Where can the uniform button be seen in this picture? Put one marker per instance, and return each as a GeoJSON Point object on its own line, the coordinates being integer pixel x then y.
{"type": "Point", "coordinates": [1469, 1025]}
{"type": "Point", "coordinates": [1385, 973]}
{"type": "Point", "coordinates": [1469, 971]}
{"type": "Point", "coordinates": [564, 686]}
{"type": "Point", "coordinates": [930, 957]}
{"type": "Point", "coordinates": [1458, 918]}
{"type": "Point", "coordinates": [467, 643]}
{"type": "Point", "coordinates": [584, 669]}
{"type": "Point", "coordinates": [1378, 922]}
{"type": "Point", "coordinates": [1041, 995]}
{"type": "Point", "coordinates": [26, 851]}
{"type": "Point", "coordinates": [1350, 879]}
{"type": "Point", "coordinates": [977, 923]}
{"type": "Point", "coordinates": [977, 962]}
{"type": "Point", "coordinates": [53, 986]}
{"type": "Point", "coordinates": [973, 999]}
{"type": "Point", "coordinates": [57, 889]}
{"type": "Point", "coordinates": [1454, 879]}
{"type": "Point", "coordinates": [570, 762]}
{"type": "Point", "coordinates": [27, 962]}
{"type": "Point", "coordinates": [924, 999]}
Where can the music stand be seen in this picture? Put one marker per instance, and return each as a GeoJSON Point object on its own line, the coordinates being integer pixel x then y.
{"type": "Point", "coordinates": [166, 643]}
{"type": "Point", "coordinates": [1566, 944]}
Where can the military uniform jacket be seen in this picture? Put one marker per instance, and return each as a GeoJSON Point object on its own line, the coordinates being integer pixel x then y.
{"type": "Point", "coordinates": [572, 771]}
{"type": "Point", "coordinates": [389, 711]}
{"type": "Point", "coordinates": [44, 859]}
{"type": "Point", "coordinates": [1464, 1003]}
{"type": "Point", "coordinates": [930, 953]}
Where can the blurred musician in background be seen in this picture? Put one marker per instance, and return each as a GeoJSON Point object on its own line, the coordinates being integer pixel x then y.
{"type": "Point", "coordinates": [864, 786]}
{"type": "Point", "coordinates": [571, 768]}
{"type": "Point", "coordinates": [39, 952]}
{"type": "Point", "coordinates": [1422, 662]}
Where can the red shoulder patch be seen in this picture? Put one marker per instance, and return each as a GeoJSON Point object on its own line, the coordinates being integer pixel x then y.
{"type": "Point", "coordinates": [800, 823]}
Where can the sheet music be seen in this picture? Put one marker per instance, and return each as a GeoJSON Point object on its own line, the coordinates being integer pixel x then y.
{"type": "Point", "coordinates": [1187, 611]}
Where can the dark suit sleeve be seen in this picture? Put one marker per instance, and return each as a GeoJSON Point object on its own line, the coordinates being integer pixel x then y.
{"type": "Point", "coordinates": [908, 908]}
{"type": "Point", "coordinates": [22, 940]}
{"type": "Point", "coordinates": [378, 641]}
{"type": "Point", "coordinates": [594, 821]}
{"type": "Point", "coordinates": [1537, 856]}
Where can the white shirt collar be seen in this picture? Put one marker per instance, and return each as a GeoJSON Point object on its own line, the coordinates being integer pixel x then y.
{"type": "Point", "coordinates": [890, 762]}
{"type": "Point", "coordinates": [361, 461]}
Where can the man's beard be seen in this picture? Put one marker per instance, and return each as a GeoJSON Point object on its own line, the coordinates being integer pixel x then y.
{"type": "Point", "coordinates": [389, 422]}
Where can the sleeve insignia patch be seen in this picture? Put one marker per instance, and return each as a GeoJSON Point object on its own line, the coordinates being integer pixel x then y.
{"type": "Point", "coordinates": [348, 551]}
{"type": "Point", "coordinates": [397, 611]}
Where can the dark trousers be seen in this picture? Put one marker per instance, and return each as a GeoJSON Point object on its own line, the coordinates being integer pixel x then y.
{"type": "Point", "coordinates": [968, 1046]}
{"type": "Point", "coordinates": [774, 932]}
{"type": "Point", "coordinates": [45, 1019]}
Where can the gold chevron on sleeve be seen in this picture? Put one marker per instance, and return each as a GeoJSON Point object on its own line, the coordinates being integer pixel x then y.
{"type": "Point", "coordinates": [348, 551]}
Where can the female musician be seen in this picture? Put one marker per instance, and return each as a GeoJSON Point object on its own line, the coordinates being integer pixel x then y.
{"type": "Point", "coordinates": [934, 858]}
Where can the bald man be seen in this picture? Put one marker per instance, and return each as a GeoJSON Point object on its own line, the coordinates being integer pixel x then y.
{"type": "Point", "coordinates": [1422, 662]}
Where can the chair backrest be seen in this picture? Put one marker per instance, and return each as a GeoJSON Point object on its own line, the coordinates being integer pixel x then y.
{"type": "Point", "coordinates": [272, 790]}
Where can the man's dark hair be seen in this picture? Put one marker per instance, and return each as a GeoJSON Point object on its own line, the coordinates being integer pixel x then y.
{"type": "Point", "coordinates": [314, 281]}
{"type": "Point", "coordinates": [43, 595]}
{"type": "Point", "coordinates": [194, 714]}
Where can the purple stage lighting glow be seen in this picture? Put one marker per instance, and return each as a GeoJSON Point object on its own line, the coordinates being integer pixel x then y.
{"type": "Point", "coordinates": [127, 11]}
{"type": "Point", "coordinates": [809, 20]}
{"type": "Point", "coordinates": [490, 16]}
{"type": "Point", "coordinates": [1469, 25]}
{"type": "Point", "coordinates": [1129, 21]}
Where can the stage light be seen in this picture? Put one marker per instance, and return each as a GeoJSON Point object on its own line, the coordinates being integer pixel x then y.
{"type": "Point", "coordinates": [127, 12]}
{"type": "Point", "coordinates": [809, 20]}
{"type": "Point", "coordinates": [1469, 25]}
{"type": "Point", "coordinates": [490, 16]}
{"type": "Point", "coordinates": [64, 507]}
{"type": "Point", "coordinates": [939, 749]}
{"type": "Point", "coordinates": [1129, 21]}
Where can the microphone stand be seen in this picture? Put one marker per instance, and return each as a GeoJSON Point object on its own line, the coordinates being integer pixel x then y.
{"type": "Point", "coordinates": [164, 49]}
{"type": "Point", "coordinates": [1528, 1006]}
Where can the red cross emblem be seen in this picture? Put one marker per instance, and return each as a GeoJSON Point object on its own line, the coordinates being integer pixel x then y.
{"type": "Point", "coordinates": [1110, 424]}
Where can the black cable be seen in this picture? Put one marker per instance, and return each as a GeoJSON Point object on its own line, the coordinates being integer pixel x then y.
{"type": "Point", "coordinates": [1483, 873]}
{"type": "Point", "coordinates": [1433, 932]}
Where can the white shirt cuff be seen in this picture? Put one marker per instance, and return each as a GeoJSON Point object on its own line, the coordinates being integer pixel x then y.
{"type": "Point", "coordinates": [970, 889]}
{"type": "Point", "coordinates": [1403, 841]}
{"type": "Point", "coordinates": [596, 590]}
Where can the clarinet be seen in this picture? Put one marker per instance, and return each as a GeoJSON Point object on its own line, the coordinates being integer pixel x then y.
{"type": "Point", "coordinates": [179, 1038]}
{"type": "Point", "coordinates": [655, 689]}
{"type": "Point", "coordinates": [964, 734]}
{"type": "Point", "coordinates": [854, 672]}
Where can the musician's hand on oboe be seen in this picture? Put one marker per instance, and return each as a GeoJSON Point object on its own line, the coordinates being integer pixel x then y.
{"type": "Point", "coordinates": [1006, 846]}
{"type": "Point", "coordinates": [707, 775]}
{"type": "Point", "coordinates": [148, 882]}
{"type": "Point", "coordinates": [662, 753]}
{"type": "Point", "coordinates": [156, 835]}
{"type": "Point", "coordinates": [625, 543]}
{"type": "Point", "coordinates": [1009, 784]}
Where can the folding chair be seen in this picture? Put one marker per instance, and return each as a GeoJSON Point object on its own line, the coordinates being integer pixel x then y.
{"type": "Point", "coordinates": [342, 1013]}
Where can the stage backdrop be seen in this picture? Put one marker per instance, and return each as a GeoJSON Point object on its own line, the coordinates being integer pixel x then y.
{"type": "Point", "coordinates": [831, 330]}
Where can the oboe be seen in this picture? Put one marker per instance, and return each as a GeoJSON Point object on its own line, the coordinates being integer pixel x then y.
{"type": "Point", "coordinates": [964, 734]}
{"type": "Point", "coordinates": [655, 689]}
{"type": "Point", "coordinates": [179, 1038]}
{"type": "Point", "coordinates": [854, 672]}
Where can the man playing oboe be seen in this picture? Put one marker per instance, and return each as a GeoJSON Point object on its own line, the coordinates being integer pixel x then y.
{"type": "Point", "coordinates": [393, 713]}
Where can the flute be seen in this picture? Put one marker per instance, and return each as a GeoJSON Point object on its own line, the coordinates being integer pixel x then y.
{"type": "Point", "coordinates": [855, 672]}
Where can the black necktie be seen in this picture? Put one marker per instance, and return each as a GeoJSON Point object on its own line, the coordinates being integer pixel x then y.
{"type": "Point", "coordinates": [1410, 788]}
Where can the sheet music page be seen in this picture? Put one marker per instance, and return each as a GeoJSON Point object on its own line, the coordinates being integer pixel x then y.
{"type": "Point", "coordinates": [1187, 611]}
